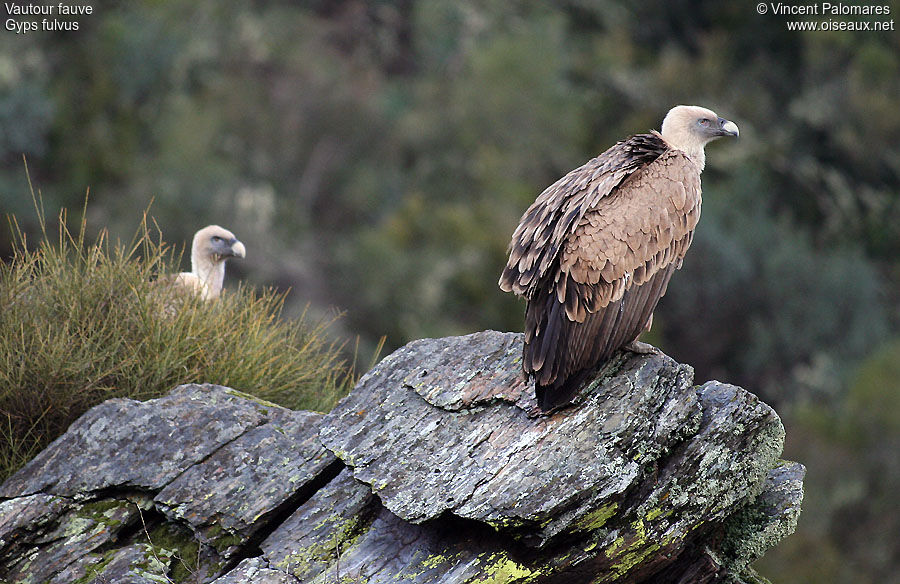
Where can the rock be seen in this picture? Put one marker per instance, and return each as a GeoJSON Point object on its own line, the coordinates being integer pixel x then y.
{"type": "Point", "coordinates": [153, 442]}
{"type": "Point", "coordinates": [173, 485]}
{"type": "Point", "coordinates": [70, 534]}
{"type": "Point", "coordinates": [437, 468]}
{"type": "Point", "coordinates": [24, 515]}
{"type": "Point", "coordinates": [258, 475]}
{"type": "Point", "coordinates": [344, 534]}
{"type": "Point", "coordinates": [255, 570]}
{"type": "Point", "coordinates": [542, 475]}
{"type": "Point", "coordinates": [138, 563]}
{"type": "Point", "coordinates": [644, 466]}
{"type": "Point", "coordinates": [747, 534]}
{"type": "Point", "coordinates": [308, 542]}
{"type": "Point", "coordinates": [770, 518]}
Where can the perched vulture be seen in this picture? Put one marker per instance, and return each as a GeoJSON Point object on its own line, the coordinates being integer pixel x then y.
{"type": "Point", "coordinates": [594, 253]}
{"type": "Point", "coordinates": [212, 245]}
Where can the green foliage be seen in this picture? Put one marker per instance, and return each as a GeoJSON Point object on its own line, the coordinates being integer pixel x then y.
{"type": "Point", "coordinates": [874, 396]}
{"type": "Point", "coordinates": [757, 304]}
{"type": "Point", "coordinates": [83, 323]}
{"type": "Point", "coordinates": [850, 501]}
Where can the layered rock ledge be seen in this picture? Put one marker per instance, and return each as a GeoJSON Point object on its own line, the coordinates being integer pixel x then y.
{"type": "Point", "coordinates": [437, 468]}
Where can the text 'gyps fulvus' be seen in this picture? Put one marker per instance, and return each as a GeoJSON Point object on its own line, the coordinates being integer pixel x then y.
{"type": "Point", "coordinates": [212, 245]}
{"type": "Point", "coordinates": [594, 253]}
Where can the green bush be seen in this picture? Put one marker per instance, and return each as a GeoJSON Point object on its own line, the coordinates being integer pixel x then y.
{"type": "Point", "coordinates": [82, 323]}
{"type": "Point", "coordinates": [847, 531]}
{"type": "Point", "coordinates": [760, 304]}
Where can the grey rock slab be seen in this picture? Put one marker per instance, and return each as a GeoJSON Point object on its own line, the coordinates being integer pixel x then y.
{"type": "Point", "coordinates": [123, 442]}
{"type": "Point", "coordinates": [230, 495]}
{"type": "Point", "coordinates": [760, 525]}
{"type": "Point", "coordinates": [461, 373]}
{"type": "Point", "coordinates": [433, 429]}
{"type": "Point", "coordinates": [740, 440]}
{"type": "Point", "coordinates": [690, 493]}
{"type": "Point", "coordinates": [81, 570]}
{"type": "Point", "coordinates": [255, 571]}
{"type": "Point", "coordinates": [72, 536]}
{"type": "Point", "coordinates": [343, 534]}
{"type": "Point", "coordinates": [745, 535]}
{"type": "Point", "coordinates": [308, 541]}
{"type": "Point", "coordinates": [392, 550]}
{"type": "Point", "coordinates": [138, 563]}
{"type": "Point", "coordinates": [22, 516]}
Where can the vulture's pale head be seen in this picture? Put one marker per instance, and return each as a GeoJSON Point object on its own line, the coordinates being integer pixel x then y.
{"type": "Point", "coordinates": [215, 244]}
{"type": "Point", "coordinates": [212, 245]}
{"type": "Point", "coordinates": [690, 127]}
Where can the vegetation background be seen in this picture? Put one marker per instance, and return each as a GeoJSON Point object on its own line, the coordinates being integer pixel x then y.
{"type": "Point", "coordinates": [375, 157]}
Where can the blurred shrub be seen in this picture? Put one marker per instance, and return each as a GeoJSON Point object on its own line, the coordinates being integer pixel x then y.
{"type": "Point", "coordinates": [492, 115]}
{"type": "Point", "coordinates": [847, 533]}
{"type": "Point", "coordinates": [27, 112]}
{"type": "Point", "coordinates": [758, 304]}
{"type": "Point", "coordinates": [82, 323]}
{"type": "Point", "coordinates": [874, 397]}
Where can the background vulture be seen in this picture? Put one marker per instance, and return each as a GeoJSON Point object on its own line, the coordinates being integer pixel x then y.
{"type": "Point", "coordinates": [594, 253]}
{"type": "Point", "coordinates": [212, 245]}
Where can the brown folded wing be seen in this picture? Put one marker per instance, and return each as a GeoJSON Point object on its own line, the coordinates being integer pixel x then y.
{"type": "Point", "coordinates": [538, 239]}
{"type": "Point", "coordinates": [604, 245]}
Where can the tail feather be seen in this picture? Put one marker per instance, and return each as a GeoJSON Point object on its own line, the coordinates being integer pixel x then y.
{"type": "Point", "coordinates": [563, 390]}
{"type": "Point", "coordinates": [545, 333]}
{"type": "Point", "coordinates": [560, 354]}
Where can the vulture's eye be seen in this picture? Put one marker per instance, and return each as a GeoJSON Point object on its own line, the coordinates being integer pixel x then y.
{"type": "Point", "coordinates": [216, 239]}
{"type": "Point", "coordinates": [704, 122]}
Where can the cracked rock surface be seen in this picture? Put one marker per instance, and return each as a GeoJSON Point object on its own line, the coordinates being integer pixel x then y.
{"type": "Point", "coordinates": [172, 487]}
{"type": "Point", "coordinates": [437, 468]}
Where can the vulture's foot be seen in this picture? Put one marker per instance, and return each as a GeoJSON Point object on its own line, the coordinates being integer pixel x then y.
{"type": "Point", "coordinates": [642, 348]}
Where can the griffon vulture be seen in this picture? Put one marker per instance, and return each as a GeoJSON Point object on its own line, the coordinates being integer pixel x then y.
{"type": "Point", "coordinates": [212, 245]}
{"type": "Point", "coordinates": [594, 253]}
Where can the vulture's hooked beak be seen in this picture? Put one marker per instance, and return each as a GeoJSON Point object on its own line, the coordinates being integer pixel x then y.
{"type": "Point", "coordinates": [239, 251]}
{"type": "Point", "coordinates": [727, 128]}
{"type": "Point", "coordinates": [229, 248]}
